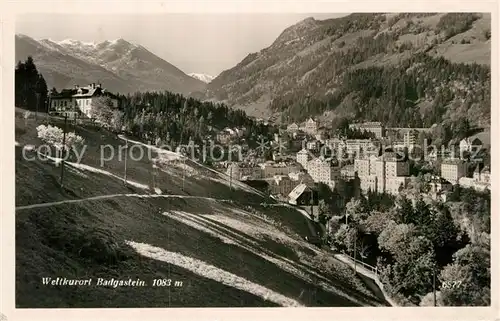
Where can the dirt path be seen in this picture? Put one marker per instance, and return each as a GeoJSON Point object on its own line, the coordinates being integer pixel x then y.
{"type": "Point", "coordinates": [101, 197]}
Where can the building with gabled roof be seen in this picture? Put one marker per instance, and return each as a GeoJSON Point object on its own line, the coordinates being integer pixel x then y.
{"type": "Point", "coordinates": [303, 194]}
{"type": "Point", "coordinates": [311, 126]}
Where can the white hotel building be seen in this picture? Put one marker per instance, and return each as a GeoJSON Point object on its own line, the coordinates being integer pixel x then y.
{"type": "Point", "coordinates": [79, 101]}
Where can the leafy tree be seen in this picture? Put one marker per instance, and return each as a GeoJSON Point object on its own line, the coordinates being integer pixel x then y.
{"type": "Point", "coordinates": [377, 221]}
{"type": "Point", "coordinates": [324, 212]}
{"type": "Point", "coordinates": [356, 209]}
{"type": "Point", "coordinates": [466, 281]}
{"type": "Point", "coordinates": [102, 110]}
{"type": "Point", "coordinates": [117, 121]}
{"type": "Point", "coordinates": [428, 300]}
{"type": "Point", "coordinates": [345, 236]}
{"type": "Point", "coordinates": [54, 136]}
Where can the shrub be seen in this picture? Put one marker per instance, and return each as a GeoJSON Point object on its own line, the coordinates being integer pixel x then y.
{"type": "Point", "coordinates": [53, 135]}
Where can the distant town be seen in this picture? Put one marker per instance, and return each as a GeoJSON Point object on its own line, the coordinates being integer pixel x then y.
{"type": "Point", "coordinates": [368, 156]}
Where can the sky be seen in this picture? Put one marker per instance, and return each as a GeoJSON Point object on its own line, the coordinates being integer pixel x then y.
{"type": "Point", "coordinates": [200, 43]}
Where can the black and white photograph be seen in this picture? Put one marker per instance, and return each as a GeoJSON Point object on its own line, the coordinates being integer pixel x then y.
{"type": "Point", "coordinates": [243, 160]}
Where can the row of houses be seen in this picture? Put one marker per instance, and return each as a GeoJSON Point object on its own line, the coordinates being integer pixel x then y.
{"type": "Point", "coordinates": [269, 169]}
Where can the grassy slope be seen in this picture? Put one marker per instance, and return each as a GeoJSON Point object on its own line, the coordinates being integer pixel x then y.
{"type": "Point", "coordinates": [87, 239]}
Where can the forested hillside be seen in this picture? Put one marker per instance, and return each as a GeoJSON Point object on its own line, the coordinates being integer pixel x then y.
{"type": "Point", "coordinates": [176, 119]}
{"type": "Point", "coordinates": [403, 69]}
{"type": "Point", "coordinates": [170, 117]}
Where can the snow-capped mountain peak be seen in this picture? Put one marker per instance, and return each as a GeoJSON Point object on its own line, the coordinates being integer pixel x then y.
{"type": "Point", "coordinates": [203, 77]}
{"type": "Point", "coordinates": [122, 65]}
{"type": "Point", "coordinates": [73, 42]}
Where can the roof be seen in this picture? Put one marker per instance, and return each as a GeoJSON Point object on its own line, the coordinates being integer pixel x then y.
{"type": "Point", "coordinates": [371, 124]}
{"type": "Point", "coordinates": [453, 162]}
{"type": "Point", "coordinates": [439, 179]}
{"type": "Point", "coordinates": [484, 137]}
{"type": "Point", "coordinates": [299, 190]}
{"type": "Point", "coordinates": [82, 92]}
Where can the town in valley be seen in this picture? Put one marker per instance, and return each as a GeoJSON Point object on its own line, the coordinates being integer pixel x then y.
{"type": "Point", "coordinates": [346, 164]}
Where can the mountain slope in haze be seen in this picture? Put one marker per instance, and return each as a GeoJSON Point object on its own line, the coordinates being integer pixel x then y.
{"type": "Point", "coordinates": [215, 236]}
{"type": "Point", "coordinates": [119, 65]}
{"type": "Point", "coordinates": [203, 77]}
{"type": "Point", "coordinates": [308, 70]}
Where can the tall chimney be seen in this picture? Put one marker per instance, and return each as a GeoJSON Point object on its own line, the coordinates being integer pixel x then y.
{"type": "Point", "coordinates": [93, 85]}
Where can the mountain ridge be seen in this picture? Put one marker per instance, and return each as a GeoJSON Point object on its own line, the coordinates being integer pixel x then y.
{"type": "Point", "coordinates": [304, 70]}
{"type": "Point", "coordinates": [119, 64]}
{"type": "Point", "coordinates": [203, 77]}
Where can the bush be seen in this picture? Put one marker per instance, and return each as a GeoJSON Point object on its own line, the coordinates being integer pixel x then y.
{"type": "Point", "coordinates": [54, 135]}
{"type": "Point", "coordinates": [100, 246]}
{"type": "Point", "coordinates": [81, 241]}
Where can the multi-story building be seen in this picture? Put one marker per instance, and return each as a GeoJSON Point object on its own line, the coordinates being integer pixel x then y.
{"type": "Point", "coordinates": [395, 166]}
{"type": "Point", "coordinates": [480, 180]}
{"type": "Point", "coordinates": [378, 168]}
{"type": "Point", "coordinates": [335, 144]}
{"type": "Point", "coordinates": [368, 183]}
{"type": "Point", "coordinates": [313, 145]}
{"type": "Point", "coordinates": [476, 142]}
{"type": "Point", "coordinates": [394, 185]}
{"type": "Point", "coordinates": [323, 170]}
{"type": "Point", "coordinates": [438, 184]}
{"type": "Point", "coordinates": [485, 175]}
{"type": "Point", "coordinates": [347, 172]}
{"type": "Point", "coordinates": [271, 169]}
{"type": "Point", "coordinates": [469, 182]}
{"type": "Point", "coordinates": [311, 127]}
{"type": "Point", "coordinates": [410, 138]}
{"type": "Point", "coordinates": [362, 166]}
{"type": "Point", "coordinates": [292, 128]}
{"type": "Point", "coordinates": [242, 171]}
{"type": "Point", "coordinates": [373, 127]}
{"type": "Point", "coordinates": [79, 101]}
{"type": "Point", "coordinates": [301, 177]}
{"type": "Point", "coordinates": [358, 146]}
{"type": "Point", "coordinates": [223, 137]}
{"type": "Point", "coordinates": [303, 157]}
{"type": "Point", "coordinates": [282, 185]}
{"type": "Point", "coordinates": [387, 173]}
{"type": "Point", "coordinates": [453, 169]}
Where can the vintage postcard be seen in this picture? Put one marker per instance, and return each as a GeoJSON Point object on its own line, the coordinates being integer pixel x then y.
{"type": "Point", "coordinates": [286, 157]}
